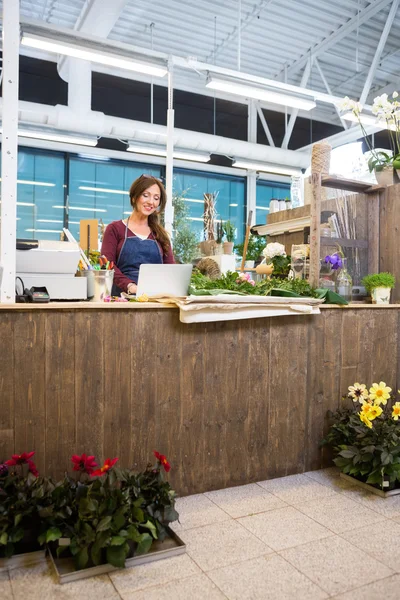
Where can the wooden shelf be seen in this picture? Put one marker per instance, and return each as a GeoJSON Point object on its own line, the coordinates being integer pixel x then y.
{"type": "Point", "coordinates": [350, 185]}
{"type": "Point", "coordinates": [330, 241]}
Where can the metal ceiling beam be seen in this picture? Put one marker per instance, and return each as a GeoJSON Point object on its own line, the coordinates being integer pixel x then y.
{"type": "Point", "coordinates": [295, 112]}
{"type": "Point", "coordinates": [328, 89]}
{"type": "Point", "coordinates": [265, 126]}
{"type": "Point", "coordinates": [257, 9]}
{"type": "Point", "coordinates": [97, 18]}
{"type": "Point", "coordinates": [359, 19]}
{"type": "Point", "coordinates": [379, 50]}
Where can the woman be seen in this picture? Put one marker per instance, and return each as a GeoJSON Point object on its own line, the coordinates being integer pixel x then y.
{"type": "Point", "coordinates": [140, 238]}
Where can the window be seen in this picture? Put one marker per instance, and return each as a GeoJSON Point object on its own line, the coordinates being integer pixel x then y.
{"type": "Point", "coordinates": [231, 202]}
{"type": "Point", "coordinates": [99, 189]}
{"type": "Point", "coordinates": [266, 191]}
{"type": "Point", "coordinates": [40, 190]}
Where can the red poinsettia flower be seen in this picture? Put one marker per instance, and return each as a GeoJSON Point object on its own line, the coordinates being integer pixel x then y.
{"type": "Point", "coordinates": [108, 464]}
{"type": "Point", "coordinates": [23, 459]}
{"type": "Point", "coordinates": [163, 461]}
{"type": "Point", "coordinates": [84, 463]}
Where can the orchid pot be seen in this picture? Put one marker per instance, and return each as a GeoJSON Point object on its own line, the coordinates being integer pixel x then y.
{"type": "Point", "coordinates": [384, 175]}
{"type": "Point", "coordinates": [228, 247]}
{"type": "Point", "coordinates": [380, 295]}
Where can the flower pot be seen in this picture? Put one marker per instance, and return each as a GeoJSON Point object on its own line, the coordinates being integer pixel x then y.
{"type": "Point", "coordinates": [384, 176]}
{"type": "Point", "coordinates": [207, 247]}
{"type": "Point", "coordinates": [380, 295]}
{"type": "Point", "coordinates": [228, 247]}
{"type": "Point", "coordinates": [249, 264]}
{"type": "Point", "coordinates": [219, 249]}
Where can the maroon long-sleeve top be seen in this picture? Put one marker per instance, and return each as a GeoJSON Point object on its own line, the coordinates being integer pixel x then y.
{"type": "Point", "coordinates": [114, 237]}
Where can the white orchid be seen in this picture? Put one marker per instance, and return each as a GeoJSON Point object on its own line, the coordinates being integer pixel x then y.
{"type": "Point", "coordinates": [347, 105]}
{"type": "Point", "coordinates": [274, 249]}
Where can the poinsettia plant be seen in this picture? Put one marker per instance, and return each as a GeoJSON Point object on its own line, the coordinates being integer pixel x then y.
{"type": "Point", "coordinates": [366, 437]}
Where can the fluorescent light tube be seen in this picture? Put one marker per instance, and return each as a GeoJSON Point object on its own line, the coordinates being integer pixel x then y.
{"type": "Point", "coordinates": [259, 93]}
{"type": "Point", "coordinates": [267, 168]}
{"type": "Point", "coordinates": [82, 208]}
{"type": "Point", "coordinates": [103, 58]}
{"type": "Point", "coordinates": [25, 204]}
{"type": "Point", "coordinates": [57, 137]}
{"type": "Point", "coordinates": [159, 151]}
{"type": "Point", "coordinates": [44, 230]}
{"type": "Point", "coordinates": [367, 120]}
{"type": "Point", "coordinates": [40, 183]}
{"type": "Point", "coordinates": [233, 205]}
{"type": "Point", "coordinates": [105, 190]}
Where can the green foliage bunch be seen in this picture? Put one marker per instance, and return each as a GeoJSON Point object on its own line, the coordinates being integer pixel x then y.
{"type": "Point", "coordinates": [185, 239]}
{"type": "Point", "coordinates": [255, 247]}
{"type": "Point", "coordinates": [386, 280]}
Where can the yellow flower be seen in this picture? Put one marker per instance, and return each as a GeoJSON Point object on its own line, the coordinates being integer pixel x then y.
{"type": "Point", "coordinates": [358, 392]}
{"type": "Point", "coordinates": [374, 411]}
{"type": "Point", "coordinates": [396, 411]}
{"type": "Point", "coordinates": [366, 407]}
{"type": "Point", "coordinates": [143, 298]}
{"type": "Point", "coordinates": [379, 393]}
{"type": "Point", "coordinates": [364, 419]}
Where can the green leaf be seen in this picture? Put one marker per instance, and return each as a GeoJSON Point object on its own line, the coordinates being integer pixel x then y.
{"type": "Point", "coordinates": [103, 539]}
{"type": "Point", "coordinates": [117, 540]}
{"type": "Point", "coordinates": [95, 554]}
{"type": "Point", "coordinates": [133, 533]}
{"type": "Point", "coordinates": [149, 525]}
{"type": "Point", "coordinates": [116, 555]}
{"type": "Point", "coordinates": [170, 514]}
{"type": "Point", "coordinates": [81, 558]}
{"type": "Point", "coordinates": [17, 519]}
{"type": "Point", "coordinates": [347, 453]}
{"type": "Point", "coordinates": [119, 521]}
{"type": "Point", "coordinates": [17, 536]}
{"type": "Point", "coordinates": [104, 524]}
{"type": "Point", "coordinates": [138, 514]}
{"type": "Point", "coordinates": [4, 538]}
{"type": "Point", "coordinates": [145, 543]}
{"type": "Point", "coordinates": [52, 534]}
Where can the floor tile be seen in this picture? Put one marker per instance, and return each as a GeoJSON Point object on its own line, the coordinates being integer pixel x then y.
{"type": "Point", "coordinates": [335, 565]}
{"type": "Point", "coordinates": [284, 528]}
{"type": "Point", "coordinates": [381, 540]}
{"type": "Point", "coordinates": [389, 507]}
{"type": "Point", "coordinates": [245, 500]}
{"type": "Point", "coordinates": [296, 489]}
{"type": "Point", "coordinates": [196, 511]}
{"type": "Point", "coordinates": [222, 544]}
{"type": "Point", "coordinates": [384, 589]}
{"type": "Point", "coordinates": [330, 477]}
{"type": "Point", "coordinates": [198, 587]}
{"type": "Point", "coordinates": [156, 573]}
{"type": "Point", "coordinates": [39, 583]}
{"type": "Point", "coordinates": [5, 586]}
{"type": "Point", "coordinates": [339, 513]}
{"type": "Point", "coordinates": [265, 578]}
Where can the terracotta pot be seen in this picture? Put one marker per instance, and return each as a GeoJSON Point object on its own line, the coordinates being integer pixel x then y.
{"type": "Point", "coordinates": [228, 247]}
{"type": "Point", "coordinates": [380, 295]}
{"type": "Point", "coordinates": [385, 176]}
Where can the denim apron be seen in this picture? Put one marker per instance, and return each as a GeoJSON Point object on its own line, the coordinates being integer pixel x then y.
{"type": "Point", "coordinates": [136, 252]}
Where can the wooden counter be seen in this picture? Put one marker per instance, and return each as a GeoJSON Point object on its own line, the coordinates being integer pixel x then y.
{"type": "Point", "coordinates": [228, 403]}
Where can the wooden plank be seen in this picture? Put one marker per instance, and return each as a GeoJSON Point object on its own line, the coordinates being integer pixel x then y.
{"type": "Point", "coordinates": [29, 382]}
{"type": "Point", "coordinates": [373, 232]}
{"type": "Point", "coordinates": [117, 387]}
{"type": "Point", "coordinates": [345, 243]}
{"type": "Point", "coordinates": [389, 226]}
{"type": "Point", "coordinates": [7, 383]}
{"type": "Point", "coordinates": [59, 361]}
{"type": "Point", "coordinates": [89, 382]}
{"type": "Point", "coordinates": [315, 246]}
{"type": "Point", "coordinates": [350, 185]}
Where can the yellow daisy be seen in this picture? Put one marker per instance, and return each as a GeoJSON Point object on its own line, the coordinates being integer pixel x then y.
{"type": "Point", "coordinates": [358, 392]}
{"type": "Point", "coordinates": [143, 298]}
{"type": "Point", "coordinates": [364, 419]}
{"type": "Point", "coordinates": [396, 411]}
{"type": "Point", "coordinates": [379, 393]}
{"type": "Point", "coordinates": [366, 407]}
{"type": "Point", "coordinates": [374, 411]}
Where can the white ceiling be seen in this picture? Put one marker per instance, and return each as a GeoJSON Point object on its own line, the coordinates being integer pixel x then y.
{"type": "Point", "coordinates": [277, 36]}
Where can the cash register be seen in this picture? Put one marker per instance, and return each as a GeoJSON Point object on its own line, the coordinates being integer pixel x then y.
{"type": "Point", "coordinates": [53, 265]}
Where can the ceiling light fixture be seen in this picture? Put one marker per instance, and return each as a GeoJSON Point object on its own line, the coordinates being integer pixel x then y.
{"type": "Point", "coordinates": [55, 136]}
{"type": "Point", "coordinates": [48, 44]}
{"type": "Point", "coordinates": [105, 190]}
{"type": "Point", "coordinates": [259, 93]}
{"type": "Point", "coordinates": [267, 168]}
{"type": "Point", "coordinates": [367, 119]}
{"type": "Point", "coordinates": [103, 210]}
{"type": "Point", "coordinates": [160, 151]}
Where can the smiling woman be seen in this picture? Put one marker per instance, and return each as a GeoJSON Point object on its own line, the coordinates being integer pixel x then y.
{"type": "Point", "coordinates": [140, 238]}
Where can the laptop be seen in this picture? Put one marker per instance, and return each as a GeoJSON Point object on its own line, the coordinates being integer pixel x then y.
{"type": "Point", "coordinates": [164, 280]}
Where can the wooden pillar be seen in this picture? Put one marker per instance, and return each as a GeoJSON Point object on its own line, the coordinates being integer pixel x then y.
{"type": "Point", "coordinates": [373, 231]}
{"type": "Point", "coordinates": [315, 210]}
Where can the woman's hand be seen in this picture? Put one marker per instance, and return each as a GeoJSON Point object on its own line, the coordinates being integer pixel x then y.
{"type": "Point", "coordinates": [132, 287]}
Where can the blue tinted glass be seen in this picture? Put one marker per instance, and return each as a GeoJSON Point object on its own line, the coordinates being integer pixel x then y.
{"type": "Point", "coordinates": [99, 189]}
{"type": "Point", "coordinates": [230, 203]}
{"type": "Point", "coordinates": [40, 195]}
{"type": "Point", "coordinates": [266, 191]}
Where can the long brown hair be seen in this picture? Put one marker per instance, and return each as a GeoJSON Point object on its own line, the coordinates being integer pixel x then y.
{"type": "Point", "coordinates": [138, 187]}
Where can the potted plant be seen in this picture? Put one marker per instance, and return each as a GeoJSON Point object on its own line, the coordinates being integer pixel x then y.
{"type": "Point", "coordinates": [229, 231]}
{"type": "Point", "coordinates": [254, 252]}
{"type": "Point", "coordinates": [185, 240]}
{"type": "Point", "coordinates": [366, 437]}
{"type": "Point", "coordinates": [386, 111]}
{"type": "Point", "coordinates": [275, 254]}
{"type": "Point", "coordinates": [22, 496]}
{"type": "Point", "coordinates": [378, 286]}
{"type": "Point", "coordinates": [219, 237]}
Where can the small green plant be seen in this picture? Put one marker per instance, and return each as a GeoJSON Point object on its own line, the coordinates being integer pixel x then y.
{"type": "Point", "coordinates": [254, 249]}
{"type": "Point", "coordinates": [385, 280]}
{"type": "Point", "coordinates": [229, 230]}
{"type": "Point", "coordinates": [220, 232]}
{"type": "Point", "coordinates": [185, 239]}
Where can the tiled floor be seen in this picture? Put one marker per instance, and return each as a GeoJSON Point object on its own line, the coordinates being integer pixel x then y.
{"type": "Point", "coordinates": [302, 537]}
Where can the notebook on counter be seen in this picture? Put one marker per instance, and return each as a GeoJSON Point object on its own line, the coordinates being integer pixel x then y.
{"type": "Point", "coordinates": [164, 280]}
